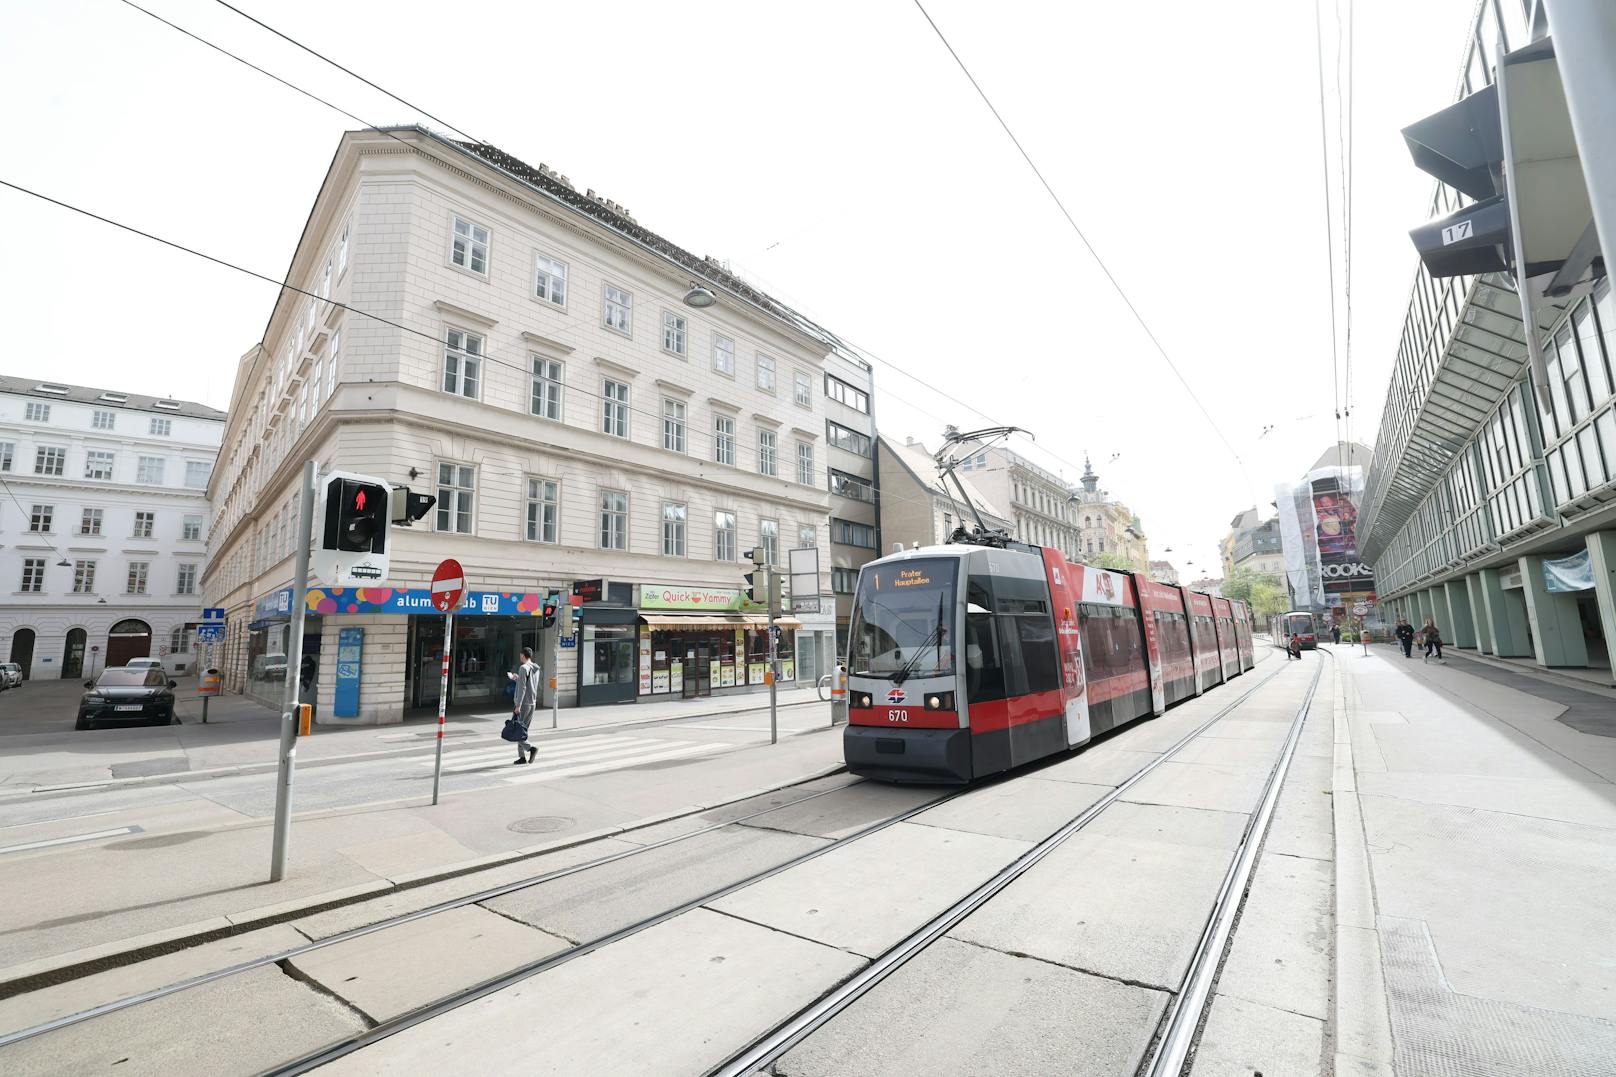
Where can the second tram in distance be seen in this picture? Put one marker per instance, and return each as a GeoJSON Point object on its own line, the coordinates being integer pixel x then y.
{"type": "Point", "coordinates": [968, 660]}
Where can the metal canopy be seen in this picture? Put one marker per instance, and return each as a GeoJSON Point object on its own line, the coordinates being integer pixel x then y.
{"type": "Point", "coordinates": [1484, 356]}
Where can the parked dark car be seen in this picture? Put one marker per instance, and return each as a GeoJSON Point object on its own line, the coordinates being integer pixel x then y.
{"type": "Point", "coordinates": [127, 695]}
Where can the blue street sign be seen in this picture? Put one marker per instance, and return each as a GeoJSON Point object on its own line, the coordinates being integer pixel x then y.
{"type": "Point", "coordinates": [213, 613]}
{"type": "Point", "coordinates": [569, 643]}
{"type": "Point", "coordinates": [210, 633]}
{"type": "Point", "coordinates": [350, 663]}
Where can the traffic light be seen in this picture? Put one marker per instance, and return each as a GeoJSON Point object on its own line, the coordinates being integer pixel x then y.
{"type": "Point", "coordinates": [409, 506]}
{"type": "Point", "coordinates": [569, 620]}
{"type": "Point", "coordinates": [352, 546]}
{"type": "Point", "coordinates": [550, 605]}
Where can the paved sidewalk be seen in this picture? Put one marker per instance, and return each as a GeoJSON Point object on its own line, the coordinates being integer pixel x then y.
{"type": "Point", "coordinates": [1476, 859]}
{"type": "Point", "coordinates": [242, 737]}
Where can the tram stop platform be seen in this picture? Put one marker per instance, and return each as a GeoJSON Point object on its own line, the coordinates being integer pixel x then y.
{"type": "Point", "coordinates": [1475, 841]}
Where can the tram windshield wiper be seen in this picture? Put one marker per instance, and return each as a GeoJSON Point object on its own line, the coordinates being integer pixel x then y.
{"type": "Point", "coordinates": [934, 636]}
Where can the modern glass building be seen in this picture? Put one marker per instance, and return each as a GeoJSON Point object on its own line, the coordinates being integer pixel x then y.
{"type": "Point", "coordinates": [1490, 508]}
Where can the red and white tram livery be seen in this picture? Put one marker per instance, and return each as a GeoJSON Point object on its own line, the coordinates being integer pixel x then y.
{"type": "Point", "coordinates": [968, 660]}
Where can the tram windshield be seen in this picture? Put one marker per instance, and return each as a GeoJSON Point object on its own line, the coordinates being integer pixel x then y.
{"type": "Point", "coordinates": [903, 621]}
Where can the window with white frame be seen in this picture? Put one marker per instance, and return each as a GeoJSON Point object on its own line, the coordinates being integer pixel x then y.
{"type": "Point", "coordinates": [767, 441]}
{"type": "Point", "coordinates": [36, 412]}
{"type": "Point", "coordinates": [179, 640]}
{"type": "Point", "coordinates": [98, 464]}
{"type": "Point", "coordinates": [723, 354]}
{"type": "Point", "coordinates": [185, 580]}
{"type": "Point", "coordinates": [724, 439]}
{"type": "Point", "coordinates": [149, 470]}
{"type": "Point", "coordinates": [90, 521]}
{"type": "Point", "coordinates": [548, 377]}
{"type": "Point", "coordinates": [619, 309]}
{"type": "Point", "coordinates": [191, 529]}
{"type": "Point", "coordinates": [769, 539]}
{"type": "Point", "coordinates": [103, 420]}
{"type": "Point", "coordinates": [8, 450]}
{"type": "Point", "coordinates": [144, 522]}
{"type": "Point", "coordinates": [673, 425]}
{"type": "Point", "coordinates": [765, 373]}
{"type": "Point", "coordinates": [723, 535]}
{"type": "Point", "coordinates": [325, 280]}
{"type": "Point", "coordinates": [462, 363]}
{"type": "Point", "coordinates": [40, 518]}
{"type": "Point", "coordinates": [136, 580]}
{"type": "Point", "coordinates": [673, 530]}
{"type": "Point", "coordinates": [342, 248]}
{"type": "Point", "coordinates": [550, 280]}
{"type": "Point", "coordinates": [197, 473]}
{"type": "Point", "coordinates": [543, 510]}
{"type": "Point", "coordinates": [802, 391]}
{"type": "Point", "coordinates": [614, 407]}
{"type": "Point", "coordinates": [49, 460]}
{"type": "Point", "coordinates": [470, 247]}
{"type": "Point", "coordinates": [33, 575]}
{"type": "Point", "coordinates": [841, 392]}
{"type": "Point", "coordinates": [805, 463]}
{"type": "Point", "coordinates": [613, 520]}
{"type": "Point", "coordinates": [84, 577]}
{"type": "Point", "coordinates": [673, 333]}
{"type": "Point", "coordinates": [807, 536]}
{"type": "Point", "coordinates": [457, 487]}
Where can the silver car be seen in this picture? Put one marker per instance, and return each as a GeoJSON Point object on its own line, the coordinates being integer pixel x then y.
{"type": "Point", "coordinates": [10, 675]}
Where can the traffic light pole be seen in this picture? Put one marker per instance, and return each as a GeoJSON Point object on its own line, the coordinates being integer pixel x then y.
{"type": "Point", "coordinates": [294, 680]}
{"type": "Point", "coordinates": [555, 668]}
{"type": "Point", "coordinates": [774, 657]}
{"type": "Point", "coordinates": [443, 699]}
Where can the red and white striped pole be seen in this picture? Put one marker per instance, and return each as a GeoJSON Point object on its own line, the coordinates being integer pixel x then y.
{"type": "Point", "coordinates": [443, 698]}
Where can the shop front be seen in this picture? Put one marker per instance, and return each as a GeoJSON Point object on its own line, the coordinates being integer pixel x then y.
{"type": "Point", "coordinates": [268, 645]}
{"type": "Point", "coordinates": [694, 641]}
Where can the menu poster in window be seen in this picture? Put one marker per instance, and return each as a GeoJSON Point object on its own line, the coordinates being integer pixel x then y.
{"type": "Point", "coordinates": [726, 677]}
{"type": "Point", "coordinates": [659, 681]}
{"type": "Point", "coordinates": [714, 674]}
{"type": "Point", "coordinates": [676, 673]}
{"type": "Point", "coordinates": [788, 670]}
{"type": "Point", "coordinates": [740, 655]}
{"type": "Point", "coordinates": [645, 660]}
{"type": "Point", "coordinates": [754, 672]}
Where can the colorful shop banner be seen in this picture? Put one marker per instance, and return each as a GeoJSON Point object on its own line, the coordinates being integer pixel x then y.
{"type": "Point", "coordinates": [1574, 573]}
{"type": "Point", "coordinates": [407, 600]}
{"type": "Point", "coordinates": [658, 597]}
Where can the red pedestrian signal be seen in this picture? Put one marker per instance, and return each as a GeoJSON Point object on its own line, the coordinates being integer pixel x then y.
{"type": "Point", "coordinates": [359, 500]}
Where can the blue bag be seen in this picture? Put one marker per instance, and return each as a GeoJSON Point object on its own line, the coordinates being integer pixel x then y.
{"type": "Point", "coordinates": [514, 730]}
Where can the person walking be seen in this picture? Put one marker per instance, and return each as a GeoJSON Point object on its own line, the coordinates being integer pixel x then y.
{"type": "Point", "coordinates": [1335, 634]}
{"type": "Point", "coordinates": [1433, 641]}
{"type": "Point", "coordinates": [526, 698]}
{"type": "Point", "coordinates": [1405, 636]}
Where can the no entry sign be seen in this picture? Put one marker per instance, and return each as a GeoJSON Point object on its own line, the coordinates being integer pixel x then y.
{"type": "Point", "coordinates": [448, 584]}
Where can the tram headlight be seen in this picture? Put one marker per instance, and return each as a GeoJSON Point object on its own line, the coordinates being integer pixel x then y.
{"type": "Point", "coordinates": [863, 700]}
{"type": "Point", "coordinates": [940, 701]}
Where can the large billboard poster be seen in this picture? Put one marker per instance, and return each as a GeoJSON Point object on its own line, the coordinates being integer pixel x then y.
{"type": "Point", "coordinates": [1319, 535]}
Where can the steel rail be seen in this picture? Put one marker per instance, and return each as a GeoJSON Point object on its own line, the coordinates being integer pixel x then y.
{"type": "Point", "coordinates": [105, 1008]}
{"type": "Point", "coordinates": [771, 1047]}
{"type": "Point", "coordinates": [1183, 1024]}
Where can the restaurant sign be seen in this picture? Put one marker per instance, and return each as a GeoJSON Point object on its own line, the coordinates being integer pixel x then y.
{"type": "Point", "coordinates": [656, 597]}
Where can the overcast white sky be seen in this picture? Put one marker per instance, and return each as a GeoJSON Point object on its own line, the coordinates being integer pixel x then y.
{"type": "Point", "coordinates": [833, 152]}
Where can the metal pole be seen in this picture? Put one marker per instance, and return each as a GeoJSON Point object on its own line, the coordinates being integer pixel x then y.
{"type": "Point", "coordinates": [774, 655]}
{"type": "Point", "coordinates": [294, 665]}
{"type": "Point", "coordinates": [443, 699]}
{"type": "Point", "coordinates": [555, 667]}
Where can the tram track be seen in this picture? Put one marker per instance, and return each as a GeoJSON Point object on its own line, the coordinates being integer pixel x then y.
{"type": "Point", "coordinates": [1182, 1022]}
{"type": "Point", "coordinates": [383, 1029]}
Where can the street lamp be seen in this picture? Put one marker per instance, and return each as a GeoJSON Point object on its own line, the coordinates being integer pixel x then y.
{"type": "Point", "coordinates": [699, 297]}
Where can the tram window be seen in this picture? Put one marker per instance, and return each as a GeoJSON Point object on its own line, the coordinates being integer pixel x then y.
{"type": "Point", "coordinates": [984, 671]}
{"type": "Point", "coordinates": [1038, 655]}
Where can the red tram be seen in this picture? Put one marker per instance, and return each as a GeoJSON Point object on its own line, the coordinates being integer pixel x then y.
{"type": "Point", "coordinates": [968, 660]}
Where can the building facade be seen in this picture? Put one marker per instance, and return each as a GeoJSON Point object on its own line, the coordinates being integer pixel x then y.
{"type": "Point", "coordinates": [1253, 545]}
{"type": "Point", "coordinates": [851, 478]}
{"type": "Point", "coordinates": [1106, 525]}
{"type": "Point", "coordinates": [103, 532]}
{"type": "Point", "coordinates": [1491, 506]}
{"type": "Point", "coordinates": [1163, 572]}
{"type": "Point", "coordinates": [916, 508]}
{"type": "Point", "coordinates": [1041, 506]}
{"type": "Point", "coordinates": [582, 426]}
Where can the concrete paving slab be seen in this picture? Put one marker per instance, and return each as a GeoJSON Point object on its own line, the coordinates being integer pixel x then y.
{"type": "Point", "coordinates": [1242, 1038]}
{"type": "Point", "coordinates": [1104, 765]}
{"type": "Point", "coordinates": [1027, 809]}
{"type": "Point", "coordinates": [595, 903]}
{"type": "Point", "coordinates": [867, 896]}
{"type": "Point", "coordinates": [968, 1010]}
{"type": "Point", "coordinates": [1280, 956]}
{"type": "Point", "coordinates": [240, 1025]}
{"type": "Point", "coordinates": [1229, 752]}
{"type": "Point", "coordinates": [402, 852]}
{"type": "Point", "coordinates": [857, 807]}
{"type": "Point", "coordinates": [1126, 897]}
{"type": "Point", "coordinates": [725, 983]}
{"type": "Point", "coordinates": [1570, 801]}
{"type": "Point", "coordinates": [1200, 785]}
{"type": "Point", "coordinates": [50, 1003]}
{"type": "Point", "coordinates": [1243, 729]}
{"type": "Point", "coordinates": [400, 968]}
{"type": "Point", "coordinates": [1304, 822]}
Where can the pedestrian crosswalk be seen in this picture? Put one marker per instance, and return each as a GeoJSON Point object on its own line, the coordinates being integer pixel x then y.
{"type": "Point", "coordinates": [571, 758]}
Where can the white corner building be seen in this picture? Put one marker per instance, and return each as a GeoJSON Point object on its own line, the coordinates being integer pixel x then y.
{"type": "Point", "coordinates": [103, 526]}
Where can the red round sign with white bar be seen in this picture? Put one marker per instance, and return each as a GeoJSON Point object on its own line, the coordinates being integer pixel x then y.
{"type": "Point", "coordinates": [448, 584]}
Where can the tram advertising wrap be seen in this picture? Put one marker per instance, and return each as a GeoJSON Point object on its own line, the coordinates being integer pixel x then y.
{"type": "Point", "coordinates": [966, 660]}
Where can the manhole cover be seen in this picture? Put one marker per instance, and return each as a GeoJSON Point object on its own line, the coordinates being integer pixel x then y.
{"type": "Point", "coordinates": [541, 824]}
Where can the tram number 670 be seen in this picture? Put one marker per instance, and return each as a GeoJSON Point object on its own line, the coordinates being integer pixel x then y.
{"type": "Point", "coordinates": [897, 716]}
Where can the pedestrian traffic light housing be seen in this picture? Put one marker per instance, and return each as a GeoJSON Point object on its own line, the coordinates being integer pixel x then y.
{"type": "Point", "coordinates": [550, 605]}
{"type": "Point", "coordinates": [409, 506]}
{"type": "Point", "coordinates": [569, 620]}
{"type": "Point", "coordinates": [351, 546]}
